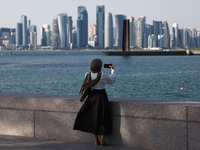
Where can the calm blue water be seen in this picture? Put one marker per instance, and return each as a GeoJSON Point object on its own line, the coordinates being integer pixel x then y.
{"type": "Point", "coordinates": [54, 72]}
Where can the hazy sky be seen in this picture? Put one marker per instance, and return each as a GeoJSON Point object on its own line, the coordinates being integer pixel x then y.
{"type": "Point", "coordinates": [185, 12]}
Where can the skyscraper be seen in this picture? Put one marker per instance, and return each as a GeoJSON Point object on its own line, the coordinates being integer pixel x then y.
{"type": "Point", "coordinates": [43, 37]}
{"type": "Point", "coordinates": [157, 29]}
{"type": "Point", "coordinates": [82, 27]}
{"type": "Point", "coordinates": [55, 33]}
{"type": "Point", "coordinates": [69, 30]}
{"type": "Point", "coordinates": [108, 35]}
{"type": "Point", "coordinates": [92, 30]}
{"type": "Point", "coordinates": [149, 31]}
{"type": "Point", "coordinates": [62, 26]}
{"type": "Point", "coordinates": [175, 34]}
{"type": "Point", "coordinates": [141, 32]}
{"type": "Point", "coordinates": [24, 31]}
{"type": "Point", "coordinates": [19, 34]}
{"type": "Point", "coordinates": [100, 13]}
{"type": "Point", "coordinates": [151, 40]}
{"type": "Point", "coordinates": [119, 29]}
{"type": "Point", "coordinates": [167, 35]}
{"type": "Point", "coordinates": [132, 31]}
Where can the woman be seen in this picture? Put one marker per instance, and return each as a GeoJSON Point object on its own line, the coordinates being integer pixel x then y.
{"type": "Point", "coordinates": [94, 116]}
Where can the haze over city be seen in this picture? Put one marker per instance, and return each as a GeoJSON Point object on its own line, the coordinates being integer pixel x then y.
{"type": "Point", "coordinates": [40, 12]}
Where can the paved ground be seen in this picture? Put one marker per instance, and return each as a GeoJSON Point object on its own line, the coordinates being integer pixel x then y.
{"type": "Point", "coordinates": [27, 143]}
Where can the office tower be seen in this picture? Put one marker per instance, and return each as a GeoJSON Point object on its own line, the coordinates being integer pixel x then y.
{"type": "Point", "coordinates": [55, 25]}
{"type": "Point", "coordinates": [48, 37]}
{"type": "Point", "coordinates": [167, 35]}
{"type": "Point", "coordinates": [92, 30]}
{"type": "Point", "coordinates": [157, 29]}
{"type": "Point", "coordinates": [43, 36]}
{"type": "Point", "coordinates": [100, 13]}
{"type": "Point", "coordinates": [28, 23]}
{"type": "Point", "coordinates": [33, 40]}
{"type": "Point", "coordinates": [132, 31]}
{"type": "Point", "coordinates": [108, 35]}
{"type": "Point", "coordinates": [82, 27]}
{"type": "Point", "coordinates": [119, 29]}
{"type": "Point", "coordinates": [74, 40]}
{"type": "Point", "coordinates": [161, 39]}
{"type": "Point", "coordinates": [141, 32]}
{"type": "Point", "coordinates": [193, 33]}
{"type": "Point", "coordinates": [62, 26]}
{"type": "Point", "coordinates": [19, 34]}
{"type": "Point", "coordinates": [198, 32]}
{"type": "Point", "coordinates": [149, 31]}
{"type": "Point", "coordinates": [175, 34]}
{"type": "Point", "coordinates": [55, 33]}
{"type": "Point", "coordinates": [24, 31]}
{"type": "Point", "coordinates": [151, 40]}
{"type": "Point", "coordinates": [69, 30]}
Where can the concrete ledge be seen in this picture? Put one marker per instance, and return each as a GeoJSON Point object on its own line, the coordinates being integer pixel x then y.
{"type": "Point", "coordinates": [137, 123]}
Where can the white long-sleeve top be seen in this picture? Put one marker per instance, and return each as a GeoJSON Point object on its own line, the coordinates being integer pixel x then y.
{"type": "Point", "coordinates": [105, 79]}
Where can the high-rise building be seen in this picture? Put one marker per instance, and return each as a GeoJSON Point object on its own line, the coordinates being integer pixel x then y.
{"type": "Point", "coordinates": [157, 29]}
{"type": "Point", "coordinates": [119, 29]}
{"type": "Point", "coordinates": [151, 40]}
{"type": "Point", "coordinates": [149, 31]}
{"type": "Point", "coordinates": [92, 30]}
{"type": "Point", "coordinates": [141, 32]}
{"type": "Point", "coordinates": [108, 35]}
{"type": "Point", "coordinates": [161, 39]}
{"type": "Point", "coordinates": [62, 26]}
{"type": "Point", "coordinates": [100, 13]}
{"type": "Point", "coordinates": [82, 27]}
{"type": "Point", "coordinates": [55, 33]}
{"type": "Point", "coordinates": [43, 37]}
{"type": "Point", "coordinates": [167, 35]}
{"type": "Point", "coordinates": [33, 39]}
{"type": "Point", "coordinates": [19, 34]}
{"type": "Point", "coordinates": [24, 31]}
{"type": "Point", "coordinates": [175, 34]}
{"type": "Point", "coordinates": [132, 31]}
{"type": "Point", "coordinates": [69, 30]}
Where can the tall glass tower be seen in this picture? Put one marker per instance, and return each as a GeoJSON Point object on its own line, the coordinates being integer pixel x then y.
{"type": "Point", "coordinates": [175, 34]}
{"type": "Point", "coordinates": [19, 34]}
{"type": "Point", "coordinates": [167, 35]}
{"type": "Point", "coordinates": [141, 32]}
{"type": "Point", "coordinates": [119, 29]}
{"type": "Point", "coordinates": [24, 31]}
{"type": "Point", "coordinates": [62, 26]}
{"type": "Point", "coordinates": [157, 29]}
{"type": "Point", "coordinates": [108, 35]}
{"type": "Point", "coordinates": [82, 27]}
{"type": "Point", "coordinates": [100, 13]}
{"type": "Point", "coordinates": [69, 29]}
{"type": "Point", "coordinates": [132, 31]}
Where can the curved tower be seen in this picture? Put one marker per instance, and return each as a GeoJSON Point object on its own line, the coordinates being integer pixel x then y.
{"type": "Point", "coordinates": [119, 29]}
{"type": "Point", "coordinates": [62, 26]}
{"type": "Point", "coordinates": [167, 35]}
{"type": "Point", "coordinates": [108, 33]}
{"type": "Point", "coordinates": [24, 31]}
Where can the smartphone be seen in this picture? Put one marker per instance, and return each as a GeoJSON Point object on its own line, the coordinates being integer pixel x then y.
{"type": "Point", "coordinates": [107, 65]}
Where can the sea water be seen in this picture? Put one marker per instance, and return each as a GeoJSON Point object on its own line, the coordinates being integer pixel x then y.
{"type": "Point", "coordinates": [62, 73]}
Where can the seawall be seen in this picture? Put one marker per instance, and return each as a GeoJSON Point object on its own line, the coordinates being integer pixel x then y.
{"type": "Point", "coordinates": [137, 123]}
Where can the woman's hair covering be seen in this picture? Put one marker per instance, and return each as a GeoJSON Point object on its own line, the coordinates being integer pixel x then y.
{"type": "Point", "coordinates": [96, 65]}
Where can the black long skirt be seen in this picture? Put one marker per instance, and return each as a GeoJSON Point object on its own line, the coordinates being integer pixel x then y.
{"type": "Point", "coordinates": [94, 116]}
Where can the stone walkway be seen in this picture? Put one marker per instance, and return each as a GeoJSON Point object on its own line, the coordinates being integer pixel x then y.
{"type": "Point", "coordinates": [28, 143]}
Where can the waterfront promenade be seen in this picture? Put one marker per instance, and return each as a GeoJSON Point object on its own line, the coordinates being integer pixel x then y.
{"type": "Point", "coordinates": [28, 143]}
{"type": "Point", "coordinates": [137, 123]}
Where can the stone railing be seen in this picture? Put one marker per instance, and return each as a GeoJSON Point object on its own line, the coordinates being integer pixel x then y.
{"type": "Point", "coordinates": [137, 123]}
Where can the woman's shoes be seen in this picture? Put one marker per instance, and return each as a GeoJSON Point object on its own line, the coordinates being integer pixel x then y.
{"type": "Point", "coordinates": [104, 143]}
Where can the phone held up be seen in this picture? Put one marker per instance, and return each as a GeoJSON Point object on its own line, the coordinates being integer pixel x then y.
{"type": "Point", "coordinates": [107, 65]}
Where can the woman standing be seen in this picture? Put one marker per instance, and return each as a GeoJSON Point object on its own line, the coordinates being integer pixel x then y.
{"type": "Point", "coordinates": [94, 116]}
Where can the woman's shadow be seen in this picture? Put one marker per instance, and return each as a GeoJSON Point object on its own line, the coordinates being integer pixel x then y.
{"type": "Point", "coordinates": [115, 138]}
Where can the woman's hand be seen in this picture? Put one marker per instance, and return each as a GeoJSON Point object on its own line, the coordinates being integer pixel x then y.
{"type": "Point", "coordinates": [111, 66]}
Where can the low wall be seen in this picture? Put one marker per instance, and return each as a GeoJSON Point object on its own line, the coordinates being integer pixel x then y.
{"type": "Point", "coordinates": [138, 123]}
